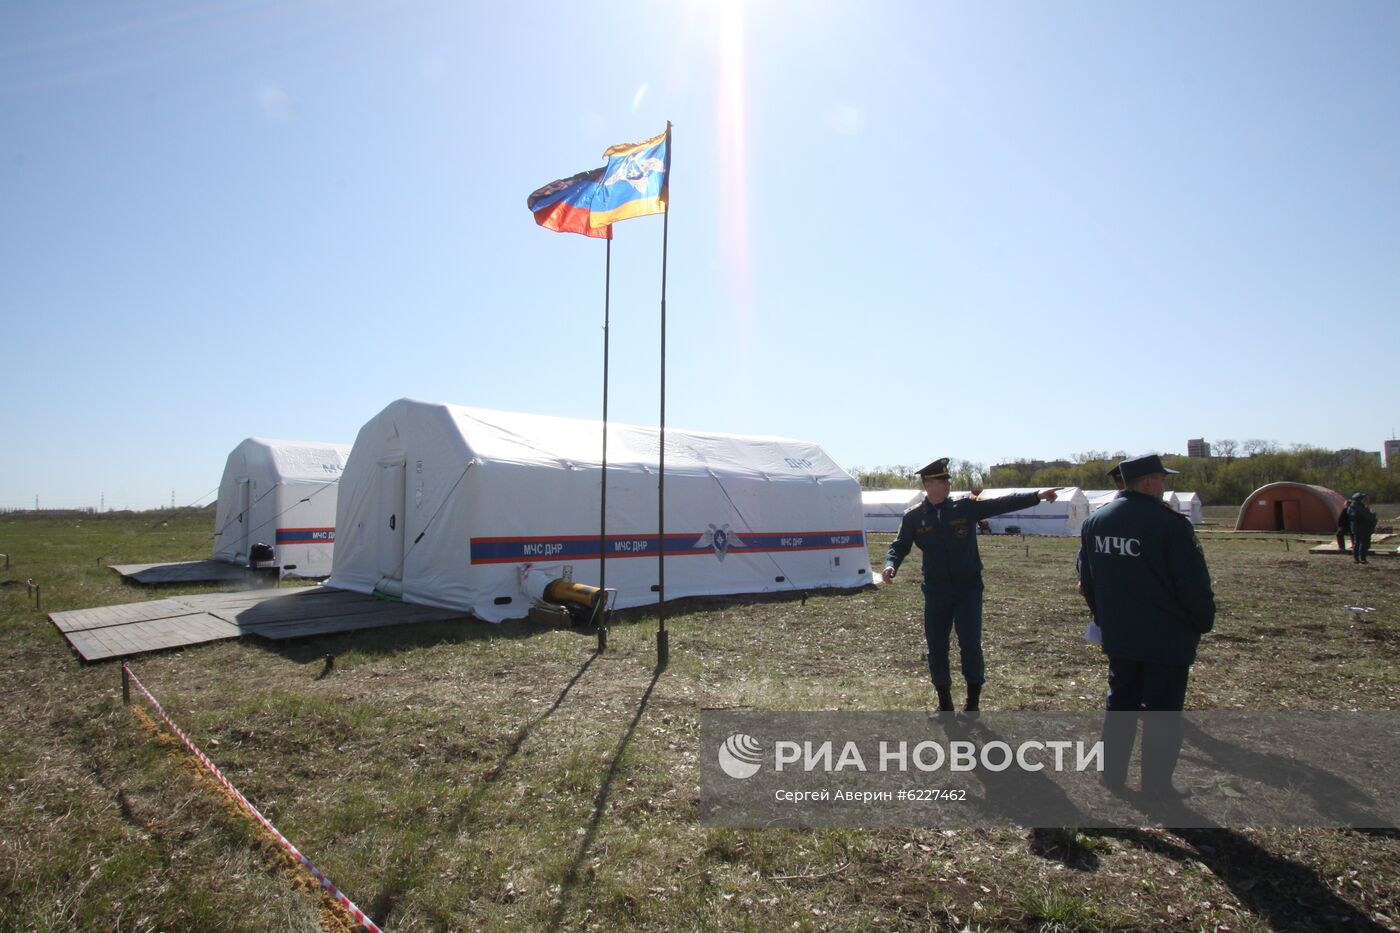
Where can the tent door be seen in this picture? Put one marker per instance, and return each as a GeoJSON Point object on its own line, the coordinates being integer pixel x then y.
{"type": "Point", "coordinates": [392, 488]}
{"type": "Point", "coordinates": [1287, 515]}
{"type": "Point", "coordinates": [243, 520]}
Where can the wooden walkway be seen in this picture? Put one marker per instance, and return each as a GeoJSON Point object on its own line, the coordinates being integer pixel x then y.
{"type": "Point", "coordinates": [1376, 550]}
{"type": "Point", "coordinates": [193, 571]}
{"type": "Point", "coordinates": [119, 631]}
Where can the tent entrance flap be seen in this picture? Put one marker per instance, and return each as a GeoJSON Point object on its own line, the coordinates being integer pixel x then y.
{"type": "Point", "coordinates": [392, 497]}
{"type": "Point", "coordinates": [243, 519]}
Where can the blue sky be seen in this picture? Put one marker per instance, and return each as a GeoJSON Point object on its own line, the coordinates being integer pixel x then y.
{"type": "Point", "coordinates": [902, 230]}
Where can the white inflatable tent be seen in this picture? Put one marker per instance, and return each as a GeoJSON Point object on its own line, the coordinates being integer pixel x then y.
{"type": "Point", "coordinates": [1171, 501]}
{"type": "Point", "coordinates": [283, 494]}
{"type": "Point", "coordinates": [1189, 504]}
{"type": "Point", "coordinates": [1059, 518]}
{"type": "Point", "coordinates": [471, 509]}
{"type": "Point", "coordinates": [883, 508]}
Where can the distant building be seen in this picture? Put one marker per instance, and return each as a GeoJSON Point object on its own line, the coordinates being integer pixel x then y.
{"type": "Point", "coordinates": [1197, 447]}
{"type": "Point", "coordinates": [1352, 455]}
{"type": "Point", "coordinates": [1392, 454]}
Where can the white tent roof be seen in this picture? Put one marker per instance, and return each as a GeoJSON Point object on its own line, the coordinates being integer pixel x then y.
{"type": "Point", "coordinates": [1098, 498]}
{"type": "Point", "coordinates": [884, 508]}
{"type": "Point", "coordinates": [902, 497]}
{"type": "Point", "coordinates": [460, 507]}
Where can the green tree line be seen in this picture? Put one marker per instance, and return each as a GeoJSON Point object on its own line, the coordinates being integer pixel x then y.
{"type": "Point", "coordinates": [1223, 480]}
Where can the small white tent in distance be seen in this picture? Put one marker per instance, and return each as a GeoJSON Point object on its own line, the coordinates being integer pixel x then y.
{"type": "Point", "coordinates": [884, 508]}
{"type": "Point", "coordinates": [1063, 517]}
{"type": "Point", "coordinates": [282, 494]}
{"type": "Point", "coordinates": [471, 509]}
{"type": "Point", "coordinates": [1189, 504]}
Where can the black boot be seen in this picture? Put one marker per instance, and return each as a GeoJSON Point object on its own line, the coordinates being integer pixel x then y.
{"type": "Point", "coordinates": [974, 696]}
{"type": "Point", "coordinates": [945, 698]}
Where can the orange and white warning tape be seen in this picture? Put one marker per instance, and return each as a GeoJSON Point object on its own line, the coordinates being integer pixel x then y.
{"type": "Point", "coordinates": [360, 916]}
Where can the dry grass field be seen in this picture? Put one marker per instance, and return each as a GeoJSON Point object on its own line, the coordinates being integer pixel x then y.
{"type": "Point", "coordinates": [468, 776]}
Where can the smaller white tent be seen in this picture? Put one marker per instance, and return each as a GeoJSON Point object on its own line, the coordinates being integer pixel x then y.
{"type": "Point", "coordinates": [1098, 498]}
{"type": "Point", "coordinates": [1189, 504]}
{"type": "Point", "coordinates": [282, 494]}
{"type": "Point", "coordinates": [1171, 501]}
{"type": "Point", "coordinates": [1059, 518]}
{"type": "Point", "coordinates": [883, 508]}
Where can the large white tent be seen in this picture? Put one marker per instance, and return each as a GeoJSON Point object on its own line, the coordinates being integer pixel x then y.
{"type": "Point", "coordinates": [884, 508]}
{"type": "Point", "coordinates": [282, 494]}
{"type": "Point", "coordinates": [1189, 504]}
{"type": "Point", "coordinates": [1060, 518]}
{"type": "Point", "coordinates": [471, 509]}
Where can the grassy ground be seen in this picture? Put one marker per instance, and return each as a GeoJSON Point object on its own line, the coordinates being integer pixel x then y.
{"type": "Point", "coordinates": [468, 776]}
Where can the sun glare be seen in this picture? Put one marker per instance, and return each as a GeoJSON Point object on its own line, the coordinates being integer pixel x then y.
{"type": "Point", "coordinates": [732, 137]}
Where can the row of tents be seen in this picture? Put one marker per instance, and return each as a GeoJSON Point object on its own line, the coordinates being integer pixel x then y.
{"type": "Point", "coordinates": [478, 511]}
{"type": "Point", "coordinates": [883, 509]}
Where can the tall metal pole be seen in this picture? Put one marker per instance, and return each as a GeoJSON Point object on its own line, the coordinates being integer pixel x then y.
{"type": "Point", "coordinates": [663, 644]}
{"type": "Point", "coordinates": [603, 508]}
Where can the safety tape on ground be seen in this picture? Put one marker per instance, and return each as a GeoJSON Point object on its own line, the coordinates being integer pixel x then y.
{"type": "Point", "coordinates": [360, 916]}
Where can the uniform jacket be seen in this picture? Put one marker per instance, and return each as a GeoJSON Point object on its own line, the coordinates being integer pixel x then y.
{"type": "Point", "coordinates": [947, 534]}
{"type": "Point", "coordinates": [1344, 520]}
{"type": "Point", "coordinates": [1145, 580]}
{"type": "Point", "coordinates": [1363, 520]}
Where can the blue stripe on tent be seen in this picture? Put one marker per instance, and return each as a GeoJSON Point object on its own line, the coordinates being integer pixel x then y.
{"type": "Point", "coordinates": [583, 547]}
{"type": "Point", "coordinates": [305, 535]}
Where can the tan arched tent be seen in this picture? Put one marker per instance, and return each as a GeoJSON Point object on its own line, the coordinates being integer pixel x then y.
{"type": "Point", "coordinates": [1291, 507]}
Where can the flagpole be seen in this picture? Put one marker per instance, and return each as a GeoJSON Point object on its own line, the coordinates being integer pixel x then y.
{"type": "Point", "coordinates": [603, 507]}
{"type": "Point", "coordinates": [663, 638]}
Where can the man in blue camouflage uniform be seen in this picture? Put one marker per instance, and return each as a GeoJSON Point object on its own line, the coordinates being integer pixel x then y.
{"type": "Point", "coordinates": [1145, 578]}
{"type": "Point", "coordinates": [946, 533]}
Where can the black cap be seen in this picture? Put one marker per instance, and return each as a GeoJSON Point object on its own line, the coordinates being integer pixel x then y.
{"type": "Point", "coordinates": [1142, 466]}
{"type": "Point", "coordinates": [938, 469]}
{"type": "Point", "coordinates": [1358, 496]}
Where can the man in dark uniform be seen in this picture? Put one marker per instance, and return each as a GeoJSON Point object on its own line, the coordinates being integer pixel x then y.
{"type": "Point", "coordinates": [1363, 523]}
{"type": "Point", "coordinates": [1146, 581]}
{"type": "Point", "coordinates": [946, 533]}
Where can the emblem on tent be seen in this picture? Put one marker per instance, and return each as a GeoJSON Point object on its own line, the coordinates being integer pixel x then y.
{"type": "Point", "coordinates": [720, 538]}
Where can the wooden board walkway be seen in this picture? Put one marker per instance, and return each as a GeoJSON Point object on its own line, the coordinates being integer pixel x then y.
{"type": "Point", "coordinates": [190, 571]}
{"type": "Point", "coordinates": [120, 631]}
{"type": "Point", "coordinates": [1376, 549]}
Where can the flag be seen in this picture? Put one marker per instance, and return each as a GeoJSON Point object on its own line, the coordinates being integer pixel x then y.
{"type": "Point", "coordinates": [635, 182]}
{"type": "Point", "coordinates": [564, 205]}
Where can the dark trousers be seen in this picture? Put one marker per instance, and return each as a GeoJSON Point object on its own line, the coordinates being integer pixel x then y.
{"type": "Point", "coordinates": [949, 606]}
{"type": "Point", "coordinates": [1342, 541]}
{"type": "Point", "coordinates": [1360, 544]}
{"type": "Point", "coordinates": [1158, 689]}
